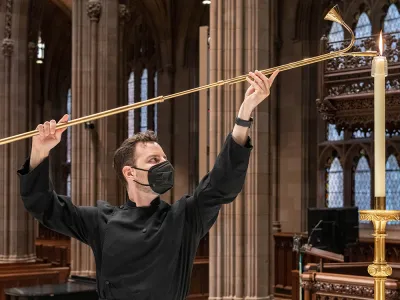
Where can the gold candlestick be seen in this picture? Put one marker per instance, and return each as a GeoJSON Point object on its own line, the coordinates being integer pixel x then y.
{"type": "Point", "coordinates": [380, 269]}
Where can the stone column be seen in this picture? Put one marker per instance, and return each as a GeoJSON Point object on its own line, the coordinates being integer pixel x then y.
{"type": "Point", "coordinates": [95, 26]}
{"type": "Point", "coordinates": [242, 36]}
{"type": "Point", "coordinates": [16, 226]}
{"type": "Point", "coordinates": [124, 73]}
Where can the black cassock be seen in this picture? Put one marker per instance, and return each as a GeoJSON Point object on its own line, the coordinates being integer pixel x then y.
{"type": "Point", "coordinates": [140, 252]}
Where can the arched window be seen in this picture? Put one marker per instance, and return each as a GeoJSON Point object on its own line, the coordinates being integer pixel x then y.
{"type": "Point", "coordinates": [362, 184]}
{"type": "Point", "coordinates": [69, 143]}
{"type": "Point", "coordinates": [143, 96]}
{"type": "Point", "coordinates": [143, 88]}
{"type": "Point", "coordinates": [392, 183]}
{"type": "Point", "coordinates": [336, 35]}
{"type": "Point", "coordinates": [363, 28]}
{"type": "Point", "coordinates": [131, 97]}
{"type": "Point", "coordinates": [392, 20]}
{"type": "Point", "coordinates": [334, 184]}
{"type": "Point", "coordinates": [392, 25]}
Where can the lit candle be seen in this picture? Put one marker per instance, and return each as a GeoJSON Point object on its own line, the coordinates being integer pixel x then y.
{"type": "Point", "coordinates": [379, 72]}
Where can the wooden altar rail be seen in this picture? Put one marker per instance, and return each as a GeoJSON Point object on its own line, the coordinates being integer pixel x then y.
{"type": "Point", "coordinates": [336, 270]}
{"type": "Point", "coordinates": [329, 286]}
{"type": "Point", "coordinates": [286, 259]}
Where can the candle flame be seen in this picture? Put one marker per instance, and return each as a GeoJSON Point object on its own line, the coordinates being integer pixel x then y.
{"type": "Point", "coordinates": [381, 44]}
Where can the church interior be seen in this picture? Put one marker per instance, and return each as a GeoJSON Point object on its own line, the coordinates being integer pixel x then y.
{"type": "Point", "coordinates": [299, 229]}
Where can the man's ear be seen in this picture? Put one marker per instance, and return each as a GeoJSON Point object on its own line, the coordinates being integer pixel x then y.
{"type": "Point", "coordinates": [129, 173]}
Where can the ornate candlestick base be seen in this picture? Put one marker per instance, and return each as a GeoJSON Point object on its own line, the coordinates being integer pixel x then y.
{"type": "Point", "coordinates": [380, 270]}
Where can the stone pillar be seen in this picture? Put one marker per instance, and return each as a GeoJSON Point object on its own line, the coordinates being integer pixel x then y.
{"type": "Point", "coordinates": [242, 36]}
{"type": "Point", "coordinates": [95, 26]}
{"type": "Point", "coordinates": [16, 226]}
{"type": "Point", "coordinates": [124, 72]}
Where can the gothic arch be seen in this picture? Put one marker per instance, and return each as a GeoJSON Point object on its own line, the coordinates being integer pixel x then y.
{"type": "Point", "coordinates": [327, 153]}
{"type": "Point", "coordinates": [354, 151]}
{"type": "Point", "coordinates": [384, 7]}
{"type": "Point", "coordinates": [355, 10]}
{"type": "Point", "coordinates": [392, 148]}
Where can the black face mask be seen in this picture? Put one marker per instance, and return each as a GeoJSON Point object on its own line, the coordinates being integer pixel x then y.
{"type": "Point", "coordinates": [160, 176]}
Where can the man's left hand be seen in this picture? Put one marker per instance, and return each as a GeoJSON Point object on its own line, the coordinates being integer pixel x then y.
{"type": "Point", "coordinates": [259, 89]}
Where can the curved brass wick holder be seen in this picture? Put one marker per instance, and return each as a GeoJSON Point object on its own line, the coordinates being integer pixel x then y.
{"type": "Point", "coordinates": [333, 15]}
{"type": "Point", "coordinates": [380, 269]}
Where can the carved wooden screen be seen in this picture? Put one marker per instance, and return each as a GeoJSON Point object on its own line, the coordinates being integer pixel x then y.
{"type": "Point", "coordinates": [346, 175]}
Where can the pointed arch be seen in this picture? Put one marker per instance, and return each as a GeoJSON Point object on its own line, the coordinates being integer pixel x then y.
{"type": "Point", "coordinates": [354, 152]}
{"type": "Point", "coordinates": [392, 20]}
{"type": "Point", "coordinates": [334, 184]}
{"type": "Point", "coordinates": [362, 184]}
{"type": "Point", "coordinates": [363, 29]}
{"type": "Point", "coordinates": [392, 183]}
{"type": "Point", "coordinates": [328, 152]}
{"type": "Point", "coordinates": [391, 24]}
{"type": "Point", "coordinates": [336, 36]}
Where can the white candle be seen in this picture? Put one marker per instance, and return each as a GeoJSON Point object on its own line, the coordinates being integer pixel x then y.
{"type": "Point", "coordinates": [379, 72]}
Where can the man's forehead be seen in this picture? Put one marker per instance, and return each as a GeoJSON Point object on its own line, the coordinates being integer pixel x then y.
{"type": "Point", "coordinates": [149, 148]}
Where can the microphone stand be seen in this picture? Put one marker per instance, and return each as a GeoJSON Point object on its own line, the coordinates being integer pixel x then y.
{"type": "Point", "coordinates": [297, 247]}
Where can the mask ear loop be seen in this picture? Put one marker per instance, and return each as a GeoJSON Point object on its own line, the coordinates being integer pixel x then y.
{"type": "Point", "coordinates": [139, 168]}
{"type": "Point", "coordinates": [138, 181]}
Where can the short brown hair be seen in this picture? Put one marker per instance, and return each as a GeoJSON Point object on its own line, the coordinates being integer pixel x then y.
{"type": "Point", "coordinates": [125, 154]}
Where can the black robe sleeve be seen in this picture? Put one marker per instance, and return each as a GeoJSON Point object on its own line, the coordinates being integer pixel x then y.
{"type": "Point", "coordinates": [220, 186]}
{"type": "Point", "coordinates": [56, 212]}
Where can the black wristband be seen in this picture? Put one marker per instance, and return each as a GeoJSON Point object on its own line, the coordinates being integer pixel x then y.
{"type": "Point", "coordinates": [244, 123]}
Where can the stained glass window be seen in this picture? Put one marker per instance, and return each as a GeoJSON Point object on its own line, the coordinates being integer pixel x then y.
{"type": "Point", "coordinates": [334, 184]}
{"type": "Point", "coordinates": [336, 35]}
{"type": "Point", "coordinates": [362, 184]}
{"type": "Point", "coordinates": [363, 29]}
{"type": "Point", "coordinates": [333, 134]}
{"type": "Point", "coordinates": [69, 141]}
{"type": "Point", "coordinates": [155, 105]}
{"type": "Point", "coordinates": [392, 20]}
{"type": "Point", "coordinates": [392, 185]}
{"type": "Point", "coordinates": [131, 97]}
{"type": "Point", "coordinates": [392, 25]}
{"type": "Point", "coordinates": [143, 96]}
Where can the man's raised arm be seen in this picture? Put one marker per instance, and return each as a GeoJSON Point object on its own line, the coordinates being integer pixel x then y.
{"type": "Point", "coordinates": [57, 212]}
{"type": "Point", "coordinates": [227, 177]}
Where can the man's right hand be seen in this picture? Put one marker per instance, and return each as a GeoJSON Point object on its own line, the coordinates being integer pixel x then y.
{"type": "Point", "coordinates": [47, 139]}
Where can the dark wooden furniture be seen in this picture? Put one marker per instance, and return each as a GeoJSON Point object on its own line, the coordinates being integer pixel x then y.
{"type": "Point", "coordinates": [69, 290]}
{"type": "Point", "coordinates": [358, 258]}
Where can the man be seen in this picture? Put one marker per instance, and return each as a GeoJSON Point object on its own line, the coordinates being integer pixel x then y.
{"type": "Point", "coordinates": [144, 249]}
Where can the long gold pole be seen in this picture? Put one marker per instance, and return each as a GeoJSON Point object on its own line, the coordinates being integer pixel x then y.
{"type": "Point", "coordinates": [333, 15]}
